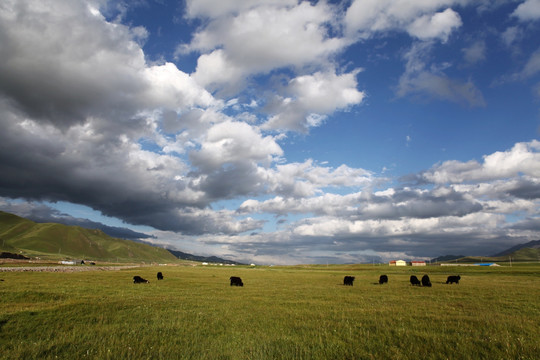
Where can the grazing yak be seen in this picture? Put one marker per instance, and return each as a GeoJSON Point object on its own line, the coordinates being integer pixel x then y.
{"type": "Point", "coordinates": [383, 279]}
{"type": "Point", "coordinates": [453, 279]}
{"type": "Point", "coordinates": [426, 281]}
{"type": "Point", "coordinates": [348, 280]}
{"type": "Point", "coordinates": [236, 281]}
{"type": "Point", "coordinates": [139, 280]}
{"type": "Point", "coordinates": [414, 280]}
{"type": "Point", "coordinates": [159, 276]}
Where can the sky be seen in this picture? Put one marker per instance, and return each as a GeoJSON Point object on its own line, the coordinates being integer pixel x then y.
{"type": "Point", "coordinates": [276, 131]}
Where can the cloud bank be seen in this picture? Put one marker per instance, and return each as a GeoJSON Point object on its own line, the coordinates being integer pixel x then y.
{"type": "Point", "coordinates": [200, 156]}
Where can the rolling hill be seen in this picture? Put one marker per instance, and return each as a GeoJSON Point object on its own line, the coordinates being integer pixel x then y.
{"type": "Point", "coordinates": [530, 245]}
{"type": "Point", "coordinates": [57, 241]}
{"type": "Point", "coordinates": [526, 252]}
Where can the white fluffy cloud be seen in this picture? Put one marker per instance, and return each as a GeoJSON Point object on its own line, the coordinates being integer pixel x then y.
{"type": "Point", "coordinates": [420, 19]}
{"type": "Point", "coordinates": [234, 142]}
{"type": "Point", "coordinates": [436, 26]}
{"type": "Point", "coordinates": [528, 10]}
{"type": "Point", "coordinates": [319, 93]}
{"type": "Point", "coordinates": [213, 9]}
{"type": "Point", "coordinates": [95, 69]}
{"type": "Point", "coordinates": [472, 200]}
{"type": "Point", "coordinates": [307, 179]}
{"type": "Point", "coordinates": [523, 158]}
{"type": "Point", "coordinates": [261, 38]}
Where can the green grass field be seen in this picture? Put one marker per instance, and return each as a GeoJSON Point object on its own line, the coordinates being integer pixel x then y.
{"type": "Point", "coordinates": [280, 313]}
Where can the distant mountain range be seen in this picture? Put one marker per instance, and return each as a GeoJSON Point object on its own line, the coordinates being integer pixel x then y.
{"type": "Point", "coordinates": [447, 258]}
{"type": "Point", "coordinates": [208, 259]}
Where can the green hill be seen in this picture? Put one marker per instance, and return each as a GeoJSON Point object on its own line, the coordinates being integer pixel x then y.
{"type": "Point", "coordinates": [524, 254]}
{"type": "Point", "coordinates": [57, 241]}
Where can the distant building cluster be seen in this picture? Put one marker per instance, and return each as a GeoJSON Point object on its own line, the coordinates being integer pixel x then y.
{"type": "Point", "coordinates": [405, 263]}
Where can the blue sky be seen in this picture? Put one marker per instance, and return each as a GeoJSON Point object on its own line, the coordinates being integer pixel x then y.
{"type": "Point", "coordinates": [276, 131]}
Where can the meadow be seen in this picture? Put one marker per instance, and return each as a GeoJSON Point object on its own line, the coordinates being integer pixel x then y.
{"type": "Point", "coordinates": [300, 312]}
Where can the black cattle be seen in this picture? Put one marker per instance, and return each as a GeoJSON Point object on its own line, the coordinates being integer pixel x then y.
{"type": "Point", "coordinates": [348, 280]}
{"type": "Point", "coordinates": [159, 276]}
{"type": "Point", "coordinates": [236, 281]}
{"type": "Point", "coordinates": [383, 279]}
{"type": "Point", "coordinates": [414, 280]}
{"type": "Point", "coordinates": [453, 279]}
{"type": "Point", "coordinates": [139, 280]}
{"type": "Point", "coordinates": [426, 281]}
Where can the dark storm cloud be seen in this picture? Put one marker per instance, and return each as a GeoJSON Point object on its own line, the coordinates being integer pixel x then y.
{"type": "Point", "coordinates": [73, 118]}
{"type": "Point", "coordinates": [230, 181]}
{"type": "Point", "coordinates": [526, 189]}
{"type": "Point", "coordinates": [530, 223]}
{"type": "Point", "coordinates": [61, 77]}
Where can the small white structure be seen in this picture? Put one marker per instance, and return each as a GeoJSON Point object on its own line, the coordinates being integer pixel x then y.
{"type": "Point", "coordinates": [398, 263]}
{"type": "Point", "coordinates": [418, 263]}
{"type": "Point", "coordinates": [68, 262]}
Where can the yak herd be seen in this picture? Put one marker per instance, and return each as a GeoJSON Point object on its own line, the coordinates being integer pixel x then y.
{"type": "Point", "coordinates": [347, 280]}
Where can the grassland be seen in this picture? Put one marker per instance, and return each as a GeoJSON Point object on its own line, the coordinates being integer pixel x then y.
{"type": "Point", "coordinates": [56, 241]}
{"type": "Point", "coordinates": [280, 313]}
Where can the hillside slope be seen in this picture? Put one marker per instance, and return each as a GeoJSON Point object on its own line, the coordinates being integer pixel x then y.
{"type": "Point", "coordinates": [530, 245]}
{"type": "Point", "coordinates": [50, 240]}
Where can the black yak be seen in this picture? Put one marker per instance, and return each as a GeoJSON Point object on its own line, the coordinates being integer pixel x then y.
{"type": "Point", "coordinates": [236, 281]}
{"type": "Point", "coordinates": [159, 276]}
{"type": "Point", "coordinates": [426, 281]}
{"type": "Point", "coordinates": [453, 279]}
{"type": "Point", "coordinates": [414, 280]}
{"type": "Point", "coordinates": [383, 279]}
{"type": "Point", "coordinates": [348, 280]}
{"type": "Point", "coordinates": [138, 280]}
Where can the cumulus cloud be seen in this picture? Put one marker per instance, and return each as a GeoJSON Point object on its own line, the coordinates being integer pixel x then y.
{"type": "Point", "coordinates": [470, 200]}
{"type": "Point", "coordinates": [232, 142]}
{"type": "Point", "coordinates": [83, 110]}
{"type": "Point", "coordinates": [409, 203]}
{"type": "Point", "coordinates": [523, 158]}
{"type": "Point", "coordinates": [420, 19]}
{"type": "Point", "coordinates": [311, 97]}
{"type": "Point", "coordinates": [211, 9]}
{"type": "Point", "coordinates": [97, 69]}
{"type": "Point", "coordinates": [437, 26]}
{"type": "Point", "coordinates": [93, 150]}
{"type": "Point", "coordinates": [528, 10]}
{"type": "Point", "coordinates": [259, 39]}
{"type": "Point", "coordinates": [91, 121]}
